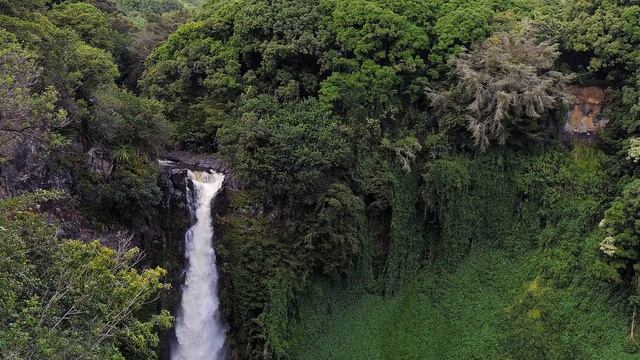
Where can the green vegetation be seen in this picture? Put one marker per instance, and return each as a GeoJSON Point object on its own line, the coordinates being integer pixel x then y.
{"type": "Point", "coordinates": [403, 187]}
{"type": "Point", "coordinates": [466, 314]}
{"type": "Point", "coordinates": [378, 74]}
{"type": "Point", "coordinates": [67, 122]}
{"type": "Point", "coordinates": [59, 77]}
{"type": "Point", "coordinates": [506, 86]}
{"type": "Point", "coordinates": [502, 280]}
{"type": "Point", "coordinates": [385, 145]}
{"type": "Point", "coordinates": [66, 299]}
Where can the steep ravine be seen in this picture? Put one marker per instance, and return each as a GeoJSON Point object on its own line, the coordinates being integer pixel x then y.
{"type": "Point", "coordinates": [164, 239]}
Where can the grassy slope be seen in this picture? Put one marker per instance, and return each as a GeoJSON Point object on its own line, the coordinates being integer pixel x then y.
{"type": "Point", "coordinates": [459, 315]}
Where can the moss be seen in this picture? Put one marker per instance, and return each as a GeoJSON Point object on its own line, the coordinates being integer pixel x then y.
{"type": "Point", "coordinates": [254, 269]}
{"type": "Point", "coordinates": [276, 318]}
{"type": "Point", "coordinates": [407, 247]}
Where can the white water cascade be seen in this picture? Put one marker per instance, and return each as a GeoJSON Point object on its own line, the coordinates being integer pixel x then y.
{"type": "Point", "coordinates": [199, 329]}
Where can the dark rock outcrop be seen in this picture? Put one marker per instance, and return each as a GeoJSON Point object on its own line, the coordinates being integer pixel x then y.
{"type": "Point", "coordinates": [199, 162]}
{"type": "Point", "coordinates": [100, 162]}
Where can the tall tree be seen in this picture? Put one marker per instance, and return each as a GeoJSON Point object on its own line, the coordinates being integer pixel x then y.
{"type": "Point", "coordinates": [506, 88]}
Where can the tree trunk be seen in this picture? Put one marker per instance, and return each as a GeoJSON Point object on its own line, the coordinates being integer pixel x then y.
{"type": "Point", "coordinates": [633, 323]}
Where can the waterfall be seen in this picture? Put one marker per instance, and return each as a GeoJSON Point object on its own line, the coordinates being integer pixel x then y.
{"type": "Point", "coordinates": [199, 329]}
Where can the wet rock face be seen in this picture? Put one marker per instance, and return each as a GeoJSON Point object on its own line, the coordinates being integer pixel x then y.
{"type": "Point", "coordinates": [173, 182]}
{"type": "Point", "coordinates": [585, 114]}
{"type": "Point", "coordinates": [100, 162]}
{"type": "Point", "coordinates": [196, 161]}
{"type": "Point", "coordinates": [72, 224]}
{"type": "Point", "coordinates": [26, 165]}
{"type": "Point", "coordinates": [21, 168]}
{"type": "Point", "coordinates": [174, 177]}
{"type": "Point", "coordinates": [199, 162]}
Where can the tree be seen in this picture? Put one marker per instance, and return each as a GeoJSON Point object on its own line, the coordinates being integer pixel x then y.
{"type": "Point", "coordinates": [121, 119]}
{"type": "Point", "coordinates": [285, 152]}
{"type": "Point", "coordinates": [21, 8]}
{"type": "Point", "coordinates": [627, 113]}
{"type": "Point", "coordinates": [92, 25]}
{"type": "Point", "coordinates": [253, 47]}
{"type": "Point", "coordinates": [67, 299]}
{"type": "Point", "coordinates": [606, 34]}
{"type": "Point", "coordinates": [29, 114]}
{"type": "Point", "coordinates": [334, 232]}
{"type": "Point", "coordinates": [621, 246]}
{"type": "Point", "coordinates": [25, 113]}
{"type": "Point", "coordinates": [365, 58]}
{"type": "Point", "coordinates": [155, 7]}
{"type": "Point", "coordinates": [506, 87]}
{"type": "Point", "coordinates": [145, 40]}
{"type": "Point", "coordinates": [127, 196]}
{"type": "Point", "coordinates": [72, 67]}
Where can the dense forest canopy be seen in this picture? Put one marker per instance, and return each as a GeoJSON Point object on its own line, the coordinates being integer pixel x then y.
{"type": "Point", "coordinates": [404, 181]}
{"type": "Point", "coordinates": [65, 70]}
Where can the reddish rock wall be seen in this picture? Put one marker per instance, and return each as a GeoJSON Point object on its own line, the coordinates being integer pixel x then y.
{"type": "Point", "coordinates": [585, 115]}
